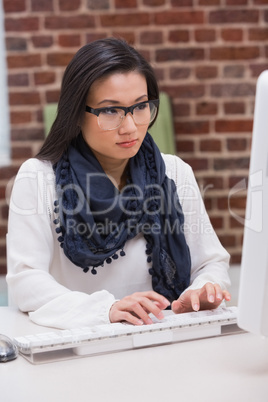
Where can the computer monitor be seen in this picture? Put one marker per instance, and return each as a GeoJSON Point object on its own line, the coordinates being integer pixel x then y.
{"type": "Point", "coordinates": [253, 287]}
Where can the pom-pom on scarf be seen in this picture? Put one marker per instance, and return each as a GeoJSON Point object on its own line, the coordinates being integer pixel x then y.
{"type": "Point", "coordinates": [95, 220]}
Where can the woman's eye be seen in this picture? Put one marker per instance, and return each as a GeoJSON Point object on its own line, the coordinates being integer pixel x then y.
{"type": "Point", "coordinates": [142, 106]}
{"type": "Point", "coordinates": [109, 111]}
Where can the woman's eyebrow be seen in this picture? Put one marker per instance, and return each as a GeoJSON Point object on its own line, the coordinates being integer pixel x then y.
{"type": "Point", "coordinates": [114, 102]}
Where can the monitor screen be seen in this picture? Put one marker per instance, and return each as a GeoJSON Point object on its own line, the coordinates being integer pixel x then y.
{"type": "Point", "coordinates": [253, 287]}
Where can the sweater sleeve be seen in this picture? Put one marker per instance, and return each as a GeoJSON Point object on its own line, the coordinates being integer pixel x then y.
{"type": "Point", "coordinates": [30, 246]}
{"type": "Point", "coordinates": [209, 259]}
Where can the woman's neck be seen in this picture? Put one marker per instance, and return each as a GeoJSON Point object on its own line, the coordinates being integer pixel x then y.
{"type": "Point", "coordinates": [116, 171]}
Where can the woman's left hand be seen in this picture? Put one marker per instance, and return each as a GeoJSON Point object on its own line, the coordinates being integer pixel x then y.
{"type": "Point", "coordinates": [208, 297]}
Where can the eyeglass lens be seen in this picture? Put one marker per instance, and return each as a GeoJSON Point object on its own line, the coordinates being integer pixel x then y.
{"type": "Point", "coordinates": [111, 118]}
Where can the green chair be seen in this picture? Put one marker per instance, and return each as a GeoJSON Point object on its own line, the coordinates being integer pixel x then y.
{"type": "Point", "coordinates": [162, 130]}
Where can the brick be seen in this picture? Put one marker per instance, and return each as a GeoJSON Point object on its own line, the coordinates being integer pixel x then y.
{"type": "Point", "coordinates": [151, 37]}
{"type": "Point", "coordinates": [231, 16]}
{"type": "Point", "coordinates": [184, 146]}
{"type": "Point", "coordinates": [21, 152]}
{"type": "Point", "coordinates": [42, 5]}
{"type": "Point", "coordinates": [22, 24]}
{"type": "Point", "coordinates": [128, 36]}
{"type": "Point", "coordinates": [24, 98]}
{"type": "Point", "coordinates": [234, 71]}
{"type": "Point", "coordinates": [125, 3]}
{"type": "Point", "coordinates": [185, 91]}
{"type": "Point", "coordinates": [232, 90]}
{"type": "Point", "coordinates": [236, 144]}
{"type": "Point", "coordinates": [235, 180]}
{"type": "Point", "coordinates": [212, 182]}
{"type": "Point", "coordinates": [97, 5]}
{"type": "Point", "coordinates": [232, 35]}
{"type": "Point", "coordinates": [42, 41]}
{"type": "Point", "coordinates": [20, 117]}
{"type": "Point", "coordinates": [170, 54]}
{"type": "Point", "coordinates": [206, 108]}
{"type": "Point", "coordinates": [234, 53]}
{"type": "Point", "coordinates": [236, 2]}
{"type": "Point", "coordinates": [91, 37]}
{"type": "Point", "coordinates": [160, 74]}
{"type": "Point", "coordinates": [227, 240]}
{"type": "Point", "coordinates": [208, 204]}
{"type": "Point", "coordinates": [256, 69]}
{"type": "Point", "coordinates": [179, 72]}
{"type": "Point", "coordinates": [16, 44]}
{"type": "Point", "coordinates": [197, 163]}
{"type": "Point", "coordinates": [2, 192]}
{"type": "Point", "coordinates": [206, 72]}
{"type": "Point", "coordinates": [182, 3]}
{"type": "Point", "coordinates": [69, 40]}
{"type": "Point", "coordinates": [258, 34]}
{"type": "Point", "coordinates": [73, 22]}
{"type": "Point", "coordinates": [14, 6]}
{"type": "Point", "coordinates": [205, 35]}
{"type": "Point", "coordinates": [52, 96]}
{"type": "Point", "coordinates": [192, 127]}
{"type": "Point", "coordinates": [6, 173]}
{"type": "Point", "coordinates": [133, 19]}
{"type": "Point", "coordinates": [59, 59]}
{"type": "Point", "coordinates": [69, 5]}
{"type": "Point", "coordinates": [235, 126]}
{"type": "Point", "coordinates": [44, 78]}
{"type": "Point", "coordinates": [179, 35]}
{"type": "Point", "coordinates": [235, 258]}
{"type": "Point", "coordinates": [18, 80]}
{"type": "Point", "coordinates": [3, 269]}
{"type": "Point", "coordinates": [119, 20]}
{"type": "Point", "coordinates": [234, 108]}
{"type": "Point", "coordinates": [238, 202]}
{"type": "Point", "coordinates": [154, 3]}
{"type": "Point", "coordinates": [179, 17]}
{"type": "Point", "coordinates": [21, 61]}
{"type": "Point", "coordinates": [181, 109]}
{"type": "Point", "coordinates": [260, 2]}
{"type": "Point", "coordinates": [27, 134]}
{"type": "Point", "coordinates": [209, 2]}
{"type": "Point", "coordinates": [234, 223]}
{"type": "Point", "coordinates": [231, 163]}
{"type": "Point", "coordinates": [210, 145]}
{"type": "Point", "coordinates": [217, 222]}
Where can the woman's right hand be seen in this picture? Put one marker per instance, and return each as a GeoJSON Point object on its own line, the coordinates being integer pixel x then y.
{"type": "Point", "coordinates": [136, 308]}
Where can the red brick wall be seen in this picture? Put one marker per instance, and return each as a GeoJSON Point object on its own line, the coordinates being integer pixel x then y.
{"type": "Point", "coordinates": [207, 55]}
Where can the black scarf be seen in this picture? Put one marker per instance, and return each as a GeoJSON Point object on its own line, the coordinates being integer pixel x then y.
{"type": "Point", "coordinates": [95, 219]}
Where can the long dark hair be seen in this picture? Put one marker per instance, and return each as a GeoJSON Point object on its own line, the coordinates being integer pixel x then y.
{"type": "Point", "coordinates": [92, 62]}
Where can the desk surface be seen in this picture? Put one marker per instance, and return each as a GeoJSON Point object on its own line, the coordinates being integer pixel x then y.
{"type": "Point", "coordinates": [230, 368]}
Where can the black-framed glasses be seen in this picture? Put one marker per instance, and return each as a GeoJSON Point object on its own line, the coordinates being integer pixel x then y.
{"type": "Point", "coordinates": [110, 118]}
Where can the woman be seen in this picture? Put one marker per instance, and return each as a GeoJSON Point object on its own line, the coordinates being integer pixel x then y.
{"type": "Point", "coordinates": [102, 227]}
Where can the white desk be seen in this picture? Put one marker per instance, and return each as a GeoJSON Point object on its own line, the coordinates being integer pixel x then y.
{"type": "Point", "coordinates": [223, 369]}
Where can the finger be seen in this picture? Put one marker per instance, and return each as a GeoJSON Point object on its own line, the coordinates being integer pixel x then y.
{"type": "Point", "coordinates": [156, 297]}
{"type": "Point", "coordinates": [218, 292]}
{"type": "Point", "coordinates": [226, 295]}
{"type": "Point", "coordinates": [151, 307]}
{"type": "Point", "coordinates": [138, 309]}
{"type": "Point", "coordinates": [178, 307]}
{"type": "Point", "coordinates": [130, 318]}
{"type": "Point", "coordinates": [210, 290]}
{"type": "Point", "coordinates": [195, 302]}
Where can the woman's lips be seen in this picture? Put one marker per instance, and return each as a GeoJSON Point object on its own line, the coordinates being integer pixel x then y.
{"type": "Point", "coordinates": [127, 144]}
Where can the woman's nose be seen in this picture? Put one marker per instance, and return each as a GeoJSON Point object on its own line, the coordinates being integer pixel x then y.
{"type": "Point", "coordinates": [128, 125]}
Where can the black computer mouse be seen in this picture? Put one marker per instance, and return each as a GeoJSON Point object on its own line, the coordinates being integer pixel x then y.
{"type": "Point", "coordinates": [8, 350]}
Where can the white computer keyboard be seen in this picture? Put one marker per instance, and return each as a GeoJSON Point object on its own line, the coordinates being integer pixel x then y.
{"type": "Point", "coordinates": [85, 341]}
